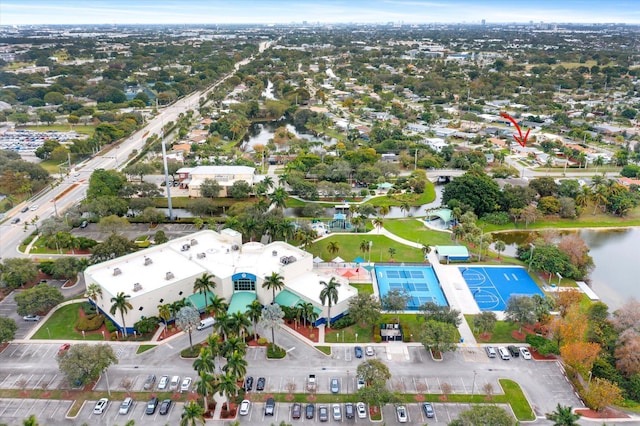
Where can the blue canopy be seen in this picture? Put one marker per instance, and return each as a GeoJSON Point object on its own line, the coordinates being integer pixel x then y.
{"type": "Point", "coordinates": [358, 260]}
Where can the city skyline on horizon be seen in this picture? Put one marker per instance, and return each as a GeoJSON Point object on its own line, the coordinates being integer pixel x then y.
{"type": "Point", "coordinates": [114, 12]}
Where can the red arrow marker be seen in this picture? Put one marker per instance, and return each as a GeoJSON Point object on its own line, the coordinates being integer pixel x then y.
{"type": "Point", "coordinates": [522, 140]}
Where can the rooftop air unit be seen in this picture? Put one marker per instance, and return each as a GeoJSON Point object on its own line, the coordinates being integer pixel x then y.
{"type": "Point", "coordinates": [169, 276]}
{"type": "Point", "coordinates": [137, 287]}
{"type": "Point", "coordinates": [201, 255]}
{"type": "Point", "coordinates": [147, 261]}
{"type": "Point", "coordinates": [116, 271]}
{"type": "Point", "coordinates": [194, 242]}
{"type": "Point", "coordinates": [235, 247]}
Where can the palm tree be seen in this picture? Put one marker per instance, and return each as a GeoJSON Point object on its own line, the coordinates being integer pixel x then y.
{"type": "Point", "coordinates": [273, 282]}
{"type": "Point", "coordinates": [204, 285]}
{"type": "Point", "coordinates": [329, 294]}
{"type": "Point", "coordinates": [164, 312]}
{"type": "Point", "coordinates": [364, 247]}
{"type": "Point", "coordinates": [378, 223]}
{"type": "Point", "coordinates": [405, 207]}
{"type": "Point", "coordinates": [357, 222]}
{"type": "Point", "coordinates": [31, 421]}
{"type": "Point", "coordinates": [392, 252]}
{"type": "Point", "coordinates": [120, 303]}
{"type": "Point", "coordinates": [192, 414]}
{"type": "Point", "coordinates": [239, 323]}
{"type": "Point", "coordinates": [227, 385]}
{"type": "Point", "coordinates": [231, 345]}
{"type": "Point", "coordinates": [222, 324]}
{"type": "Point", "coordinates": [306, 309]}
{"type": "Point", "coordinates": [278, 197]}
{"type": "Point", "coordinates": [333, 247]}
{"type": "Point", "coordinates": [205, 362]}
{"type": "Point", "coordinates": [268, 182]}
{"type": "Point", "coordinates": [214, 344]}
{"type": "Point", "coordinates": [236, 366]}
{"type": "Point", "coordinates": [500, 246]}
{"type": "Point", "coordinates": [205, 387]}
{"type": "Point", "coordinates": [272, 317]}
{"type": "Point", "coordinates": [563, 416]}
{"type": "Point", "coordinates": [384, 210]}
{"type": "Point", "coordinates": [93, 292]}
{"type": "Point", "coordinates": [217, 306]}
{"type": "Point", "coordinates": [253, 312]}
{"type": "Point", "coordinates": [176, 306]}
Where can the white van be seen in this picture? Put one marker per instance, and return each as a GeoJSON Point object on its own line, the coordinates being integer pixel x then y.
{"type": "Point", "coordinates": [207, 322]}
{"type": "Point", "coordinates": [504, 353]}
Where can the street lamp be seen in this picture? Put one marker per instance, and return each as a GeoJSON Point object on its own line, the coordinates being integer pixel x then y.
{"type": "Point", "coordinates": [473, 385]}
{"type": "Point", "coordinates": [337, 336]}
{"type": "Point", "coordinates": [356, 337]}
{"type": "Point", "coordinates": [531, 258]}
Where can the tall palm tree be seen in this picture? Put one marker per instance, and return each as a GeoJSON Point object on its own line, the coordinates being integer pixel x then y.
{"type": "Point", "coordinates": [378, 223]}
{"type": "Point", "coordinates": [329, 295]}
{"type": "Point", "coordinates": [231, 345]}
{"type": "Point", "coordinates": [563, 416]}
{"type": "Point", "coordinates": [217, 306]}
{"type": "Point", "coordinates": [384, 210]}
{"type": "Point", "coordinates": [192, 414]}
{"type": "Point", "coordinates": [205, 387]}
{"type": "Point", "coordinates": [205, 361]}
{"type": "Point", "coordinates": [405, 207]}
{"type": "Point", "coordinates": [222, 324]}
{"type": "Point", "coordinates": [93, 292]}
{"type": "Point", "coordinates": [364, 247]}
{"type": "Point", "coordinates": [236, 366]}
{"type": "Point", "coordinates": [227, 385]}
{"type": "Point", "coordinates": [121, 304]}
{"type": "Point", "coordinates": [333, 247]}
{"type": "Point", "coordinates": [176, 306]}
{"type": "Point", "coordinates": [239, 324]}
{"type": "Point", "coordinates": [164, 312]}
{"type": "Point", "coordinates": [278, 197]}
{"type": "Point", "coordinates": [253, 312]}
{"type": "Point", "coordinates": [204, 285]}
{"type": "Point", "coordinates": [273, 282]}
{"type": "Point", "coordinates": [268, 182]}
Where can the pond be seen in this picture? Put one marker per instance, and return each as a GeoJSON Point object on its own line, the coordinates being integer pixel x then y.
{"type": "Point", "coordinates": [262, 133]}
{"type": "Point", "coordinates": [615, 254]}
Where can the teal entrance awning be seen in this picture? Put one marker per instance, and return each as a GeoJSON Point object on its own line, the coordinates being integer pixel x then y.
{"type": "Point", "coordinates": [286, 298]}
{"type": "Point", "coordinates": [198, 300]}
{"type": "Point", "coordinates": [240, 301]}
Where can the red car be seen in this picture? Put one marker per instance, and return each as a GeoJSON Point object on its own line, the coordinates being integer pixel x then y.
{"type": "Point", "coordinates": [64, 348]}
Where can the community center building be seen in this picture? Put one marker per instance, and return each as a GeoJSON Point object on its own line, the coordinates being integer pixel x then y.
{"type": "Point", "coordinates": [166, 273]}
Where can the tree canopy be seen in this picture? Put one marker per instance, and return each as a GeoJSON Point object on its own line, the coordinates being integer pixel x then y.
{"type": "Point", "coordinates": [83, 363]}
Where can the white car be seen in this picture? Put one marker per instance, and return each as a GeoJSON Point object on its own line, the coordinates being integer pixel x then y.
{"type": "Point", "coordinates": [245, 405]}
{"type": "Point", "coordinates": [33, 208]}
{"type": "Point", "coordinates": [362, 410]}
{"type": "Point", "coordinates": [369, 351]}
{"type": "Point", "coordinates": [126, 405]}
{"type": "Point", "coordinates": [186, 384]}
{"type": "Point", "coordinates": [401, 411]}
{"type": "Point", "coordinates": [101, 405]}
{"type": "Point", "coordinates": [360, 383]}
{"type": "Point", "coordinates": [163, 383]}
{"type": "Point", "coordinates": [525, 353]}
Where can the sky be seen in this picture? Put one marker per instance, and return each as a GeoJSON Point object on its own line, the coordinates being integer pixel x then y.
{"type": "Point", "coordinates": [76, 12]}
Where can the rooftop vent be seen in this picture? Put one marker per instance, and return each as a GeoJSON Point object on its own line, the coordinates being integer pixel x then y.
{"type": "Point", "coordinates": [235, 247]}
{"type": "Point", "coordinates": [185, 247]}
{"type": "Point", "coordinates": [116, 271]}
{"type": "Point", "coordinates": [169, 276]}
{"type": "Point", "coordinates": [194, 242]}
{"type": "Point", "coordinates": [137, 287]}
{"type": "Point", "coordinates": [201, 255]}
{"type": "Point", "coordinates": [274, 253]}
{"type": "Point", "coordinates": [147, 261]}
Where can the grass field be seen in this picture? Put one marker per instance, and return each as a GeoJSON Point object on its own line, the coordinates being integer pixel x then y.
{"type": "Point", "coordinates": [415, 230]}
{"type": "Point", "coordinates": [501, 333]}
{"type": "Point", "coordinates": [61, 326]}
{"type": "Point", "coordinates": [87, 130]}
{"type": "Point", "coordinates": [349, 248]}
{"type": "Point", "coordinates": [363, 288]}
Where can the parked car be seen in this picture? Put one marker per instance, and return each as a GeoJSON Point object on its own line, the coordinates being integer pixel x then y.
{"type": "Point", "coordinates": [270, 407]}
{"type": "Point", "coordinates": [362, 410]}
{"type": "Point", "coordinates": [261, 383]}
{"type": "Point", "coordinates": [34, 318]}
{"type": "Point", "coordinates": [100, 406]}
{"type": "Point", "coordinates": [401, 412]}
{"type": "Point", "coordinates": [323, 413]}
{"type": "Point", "coordinates": [349, 411]}
{"type": "Point", "coordinates": [525, 353]}
{"type": "Point", "coordinates": [125, 406]}
{"type": "Point", "coordinates": [248, 384]}
{"type": "Point", "coordinates": [309, 411]}
{"type": "Point", "coordinates": [84, 224]}
{"type": "Point", "coordinates": [151, 406]}
{"type": "Point", "coordinates": [428, 409]}
{"type": "Point", "coordinates": [186, 384]}
{"type": "Point", "coordinates": [296, 411]}
{"type": "Point", "coordinates": [335, 386]}
{"type": "Point", "coordinates": [245, 405]}
{"type": "Point", "coordinates": [163, 383]}
{"type": "Point", "coordinates": [504, 353]}
{"type": "Point", "coordinates": [491, 351]}
{"type": "Point", "coordinates": [360, 383]}
{"type": "Point", "coordinates": [337, 412]}
{"type": "Point", "coordinates": [369, 351]}
{"type": "Point", "coordinates": [513, 351]}
{"type": "Point", "coordinates": [65, 347]}
{"type": "Point", "coordinates": [165, 406]}
{"type": "Point", "coordinates": [358, 351]}
{"type": "Point", "coordinates": [148, 383]}
{"type": "Point", "coordinates": [174, 383]}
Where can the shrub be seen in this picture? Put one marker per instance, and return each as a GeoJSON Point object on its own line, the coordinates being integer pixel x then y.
{"type": "Point", "coordinates": [262, 341]}
{"type": "Point", "coordinates": [275, 351]}
{"type": "Point", "coordinates": [344, 322]}
{"type": "Point", "coordinates": [377, 338]}
{"type": "Point", "coordinates": [90, 322]}
{"type": "Point", "coordinates": [111, 327]}
{"type": "Point", "coordinates": [88, 308]}
{"type": "Point", "coordinates": [191, 352]}
{"type": "Point", "coordinates": [497, 218]}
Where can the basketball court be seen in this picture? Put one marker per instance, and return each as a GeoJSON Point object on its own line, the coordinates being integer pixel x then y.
{"type": "Point", "coordinates": [492, 287]}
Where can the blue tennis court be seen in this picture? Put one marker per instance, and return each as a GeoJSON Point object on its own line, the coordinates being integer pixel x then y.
{"type": "Point", "coordinates": [493, 286]}
{"type": "Point", "coordinates": [420, 282]}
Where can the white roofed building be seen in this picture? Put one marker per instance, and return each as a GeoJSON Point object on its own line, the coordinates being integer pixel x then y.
{"type": "Point", "coordinates": [192, 177]}
{"type": "Point", "coordinates": [166, 273]}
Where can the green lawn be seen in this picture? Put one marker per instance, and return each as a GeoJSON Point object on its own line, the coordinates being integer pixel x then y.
{"type": "Point", "coordinates": [414, 230]}
{"type": "Point", "coordinates": [349, 249]}
{"type": "Point", "coordinates": [61, 326]}
{"type": "Point", "coordinates": [87, 130]}
{"type": "Point", "coordinates": [428, 196]}
{"type": "Point", "coordinates": [364, 288]}
{"type": "Point", "coordinates": [410, 324]}
{"type": "Point", "coordinates": [501, 333]}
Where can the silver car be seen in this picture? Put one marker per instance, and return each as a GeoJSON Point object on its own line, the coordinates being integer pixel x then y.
{"type": "Point", "coordinates": [335, 386]}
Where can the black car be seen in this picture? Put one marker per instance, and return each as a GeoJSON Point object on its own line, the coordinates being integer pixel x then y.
{"type": "Point", "coordinates": [296, 411]}
{"type": "Point", "coordinates": [515, 352]}
{"type": "Point", "coordinates": [248, 384]}
{"type": "Point", "coordinates": [152, 405]}
{"type": "Point", "coordinates": [310, 410]}
{"type": "Point", "coordinates": [270, 407]}
{"type": "Point", "coordinates": [164, 407]}
{"type": "Point", "coordinates": [358, 351]}
{"type": "Point", "coordinates": [260, 385]}
{"type": "Point", "coordinates": [428, 409]}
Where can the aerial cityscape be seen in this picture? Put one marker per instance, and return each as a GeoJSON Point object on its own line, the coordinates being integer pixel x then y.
{"type": "Point", "coordinates": [270, 213]}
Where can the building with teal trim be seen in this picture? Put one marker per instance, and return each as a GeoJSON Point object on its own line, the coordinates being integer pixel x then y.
{"type": "Point", "coordinates": [166, 273]}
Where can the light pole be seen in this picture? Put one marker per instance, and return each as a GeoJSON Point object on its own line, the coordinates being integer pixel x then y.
{"type": "Point", "coordinates": [337, 337]}
{"type": "Point", "coordinates": [106, 376]}
{"type": "Point", "coordinates": [356, 337]}
{"type": "Point", "coordinates": [473, 385]}
{"type": "Point", "coordinates": [347, 381]}
{"type": "Point", "coordinates": [531, 258]}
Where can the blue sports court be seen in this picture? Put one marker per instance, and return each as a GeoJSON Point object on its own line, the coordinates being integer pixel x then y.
{"type": "Point", "coordinates": [491, 287]}
{"type": "Point", "coordinates": [420, 282]}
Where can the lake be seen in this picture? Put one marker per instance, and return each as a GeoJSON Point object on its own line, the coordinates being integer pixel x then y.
{"type": "Point", "coordinates": [616, 255]}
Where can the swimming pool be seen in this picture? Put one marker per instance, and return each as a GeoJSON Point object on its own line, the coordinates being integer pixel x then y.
{"type": "Point", "coordinates": [420, 282]}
